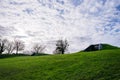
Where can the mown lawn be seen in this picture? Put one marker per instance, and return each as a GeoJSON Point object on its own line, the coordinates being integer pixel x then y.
{"type": "Point", "coordinates": [97, 65]}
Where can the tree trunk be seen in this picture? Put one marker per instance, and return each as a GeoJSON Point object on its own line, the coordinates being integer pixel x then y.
{"type": "Point", "coordinates": [62, 52]}
{"type": "Point", "coordinates": [17, 51]}
{"type": "Point", "coordinates": [0, 53]}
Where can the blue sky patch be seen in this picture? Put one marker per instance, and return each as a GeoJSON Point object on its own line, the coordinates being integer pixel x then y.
{"type": "Point", "coordinates": [61, 11]}
{"type": "Point", "coordinates": [60, 1]}
{"type": "Point", "coordinates": [117, 30]}
{"type": "Point", "coordinates": [118, 7]}
{"type": "Point", "coordinates": [76, 2]}
{"type": "Point", "coordinates": [28, 11]}
{"type": "Point", "coordinates": [102, 1]}
{"type": "Point", "coordinates": [16, 3]}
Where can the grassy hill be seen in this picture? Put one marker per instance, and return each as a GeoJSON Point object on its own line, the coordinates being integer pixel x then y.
{"type": "Point", "coordinates": [108, 46]}
{"type": "Point", "coordinates": [96, 65]}
{"type": "Point", "coordinates": [95, 47]}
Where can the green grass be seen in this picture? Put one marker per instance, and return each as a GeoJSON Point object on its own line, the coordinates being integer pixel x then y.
{"type": "Point", "coordinates": [96, 65]}
{"type": "Point", "coordinates": [108, 46]}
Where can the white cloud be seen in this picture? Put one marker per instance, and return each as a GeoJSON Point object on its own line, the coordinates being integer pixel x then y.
{"type": "Point", "coordinates": [82, 23]}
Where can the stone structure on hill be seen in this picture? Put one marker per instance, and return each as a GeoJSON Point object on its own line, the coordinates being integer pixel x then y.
{"type": "Point", "coordinates": [94, 47]}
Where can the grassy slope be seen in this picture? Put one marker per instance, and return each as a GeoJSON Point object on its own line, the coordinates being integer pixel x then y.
{"type": "Point", "coordinates": [107, 46]}
{"type": "Point", "coordinates": [98, 65]}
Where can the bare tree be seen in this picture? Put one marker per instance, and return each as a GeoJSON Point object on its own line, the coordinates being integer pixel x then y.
{"type": "Point", "coordinates": [19, 45]}
{"type": "Point", "coordinates": [10, 47]}
{"type": "Point", "coordinates": [37, 48]}
{"type": "Point", "coordinates": [2, 45]}
{"type": "Point", "coordinates": [61, 46]}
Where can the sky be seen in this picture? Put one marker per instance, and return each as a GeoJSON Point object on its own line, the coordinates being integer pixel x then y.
{"type": "Point", "coordinates": [81, 22]}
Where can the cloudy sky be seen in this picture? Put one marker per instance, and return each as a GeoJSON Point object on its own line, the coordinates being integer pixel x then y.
{"type": "Point", "coordinates": [81, 22]}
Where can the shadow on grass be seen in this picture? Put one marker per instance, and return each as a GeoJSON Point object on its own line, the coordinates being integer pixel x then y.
{"type": "Point", "coordinates": [2, 56]}
{"type": "Point", "coordinates": [11, 55]}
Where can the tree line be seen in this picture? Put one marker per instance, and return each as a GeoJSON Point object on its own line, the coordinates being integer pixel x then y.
{"type": "Point", "coordinates": [16, 46]}
{"type": "Point", "coordinates": [10, 46]}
